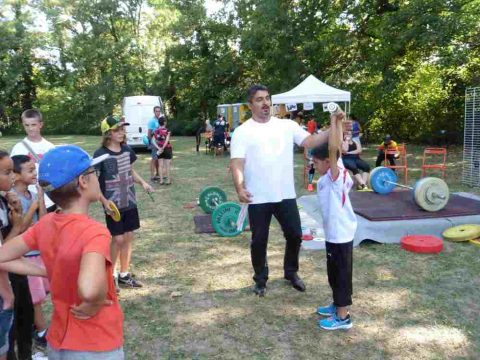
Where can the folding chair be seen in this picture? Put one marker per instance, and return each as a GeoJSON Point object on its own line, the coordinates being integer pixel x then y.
{"type": "Point", "coordinates": [439, 155]}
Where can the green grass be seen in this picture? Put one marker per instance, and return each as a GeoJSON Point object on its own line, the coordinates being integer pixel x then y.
{"type": "Point", "coordinates": [406, 306]}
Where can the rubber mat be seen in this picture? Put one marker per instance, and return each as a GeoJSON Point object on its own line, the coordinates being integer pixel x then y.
{"type": "Point", "coordinates": [399, 205]}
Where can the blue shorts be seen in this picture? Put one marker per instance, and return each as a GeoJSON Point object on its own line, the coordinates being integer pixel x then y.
{"type": "Point", "coordinates": [154, 152]}
{"type": "Point", "coordinates": [6, 320]}
{"type": "Point", "coordinates": [54, 354]}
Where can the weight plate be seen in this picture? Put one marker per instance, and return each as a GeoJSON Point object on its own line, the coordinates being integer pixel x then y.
{"type": "Point", "coordinates": [224, 219]}
{"type": "Point", "coordinates": [378, 178]}
{"type": "Point", "coordinates": [426, 244]}
{"type": "Point", "coordinates": [475, 242]}
{"type": "Point", "coordinates": [211, 197]}
{"type": "Point", "coordinates": [115, 215]}
{"type": "Point", "coordinates": [431, 194]}
{"type": "Point", "coordinates": [462, 232]}
{"type": "Point", "coordinates": [372, 173]}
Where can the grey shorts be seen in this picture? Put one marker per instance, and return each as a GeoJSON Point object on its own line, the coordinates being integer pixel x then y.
{"type": "Point", "coordinates": [116, 354]}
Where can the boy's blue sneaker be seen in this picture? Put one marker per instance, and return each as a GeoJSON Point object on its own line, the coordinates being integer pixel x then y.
{"type": "Point", "coordinates": [327, 310]}
{"type": "Point", "coordinates": [334, 323]}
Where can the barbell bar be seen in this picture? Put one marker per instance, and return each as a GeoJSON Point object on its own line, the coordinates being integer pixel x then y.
{"type": "Point", "coordinates": [430, 193]}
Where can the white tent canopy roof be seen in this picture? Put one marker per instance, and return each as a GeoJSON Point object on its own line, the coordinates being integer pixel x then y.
{"type": "Point", "coordinates": [311, 90]}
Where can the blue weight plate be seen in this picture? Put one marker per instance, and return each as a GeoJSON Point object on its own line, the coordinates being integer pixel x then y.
{"type": "Point", "coordinates": [377, 180]}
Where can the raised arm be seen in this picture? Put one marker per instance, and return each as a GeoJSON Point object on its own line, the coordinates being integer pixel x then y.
{"type": "Point", "coordinates": [315, 140]}
{"type": "Point", "coordinates": [335, 140]}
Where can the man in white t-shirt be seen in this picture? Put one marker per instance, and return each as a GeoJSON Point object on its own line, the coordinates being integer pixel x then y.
{"type": "Point", "coordinates": [262, 168]}
{"type": "Point", "coordinates": [34, 145]}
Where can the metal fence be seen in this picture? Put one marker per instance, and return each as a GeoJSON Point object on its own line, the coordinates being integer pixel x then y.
{"type": "Point", "coordinates": [471, 147]}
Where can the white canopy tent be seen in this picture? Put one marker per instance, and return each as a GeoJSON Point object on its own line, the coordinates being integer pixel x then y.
{"type": "Point", "coordinates": [313, 90]}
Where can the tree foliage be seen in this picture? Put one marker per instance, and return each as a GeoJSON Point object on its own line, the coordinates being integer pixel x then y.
{"type": "Point", "coordinates": [406, 62]}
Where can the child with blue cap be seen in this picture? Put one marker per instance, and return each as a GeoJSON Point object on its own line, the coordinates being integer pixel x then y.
{"type": "Point", "coordinates": [87, 319]}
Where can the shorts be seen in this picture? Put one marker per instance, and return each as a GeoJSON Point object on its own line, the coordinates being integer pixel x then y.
{"type": "Point", "coordinates": [167, 154]}
{"type": "Point", "coordinates": [129, 221]}
{"type": "Point", "coordinates": [39, 286]}
{"type": "Point", "coordinates": [339, 270]}
{"type": "Point", "coordinates": [6, 320]}
{"type": "Point", "coordinates": [219, 139]}
{"type": "Point", "coordinates": [54, 354]}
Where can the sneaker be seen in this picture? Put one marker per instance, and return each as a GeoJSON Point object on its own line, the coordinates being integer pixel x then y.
{"type": "Point", "coordinates": [327, 310]}
{"type": "Point", "coordinates": [115, 281]}
{"type": "Point", "coordinates": [39, 356]}
{"type": "Point", "coordinates": [129, 281]}
{"type": "Point", "coordinates": [334, 323]}
{"type": "Point", "coordinates": [40, 341]}
{"type": "Point", "coordinates": [260, 290]}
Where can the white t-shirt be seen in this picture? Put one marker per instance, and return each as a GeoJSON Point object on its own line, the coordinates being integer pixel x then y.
{"type": "Point", "coordinates": [339, 220]}
{"type": "Point", "coordinates": [268, 152]}
{"type": "Point", "coordinates": [40, 148]}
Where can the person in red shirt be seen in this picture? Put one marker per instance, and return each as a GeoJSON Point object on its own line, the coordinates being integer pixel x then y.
{"type": "Point", "coordinates": [312, 126]}
{"type": "Point", "coordinates": [87, 319]}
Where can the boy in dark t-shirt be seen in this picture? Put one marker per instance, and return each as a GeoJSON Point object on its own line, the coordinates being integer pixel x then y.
{"type": "Point", "coordinates": [117, 178]}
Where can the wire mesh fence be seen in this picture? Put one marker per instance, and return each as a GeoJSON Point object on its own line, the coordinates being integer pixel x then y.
{"type": "Point", "coordinates": [471, 148]}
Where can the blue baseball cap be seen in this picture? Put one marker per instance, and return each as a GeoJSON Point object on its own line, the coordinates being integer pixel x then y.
{"type": "Point", "coordinates": [63, 164]}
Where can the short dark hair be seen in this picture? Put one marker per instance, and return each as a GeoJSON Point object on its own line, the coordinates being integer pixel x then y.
{"type": "Point", "coordinates": [3, 154]}
{"type": "Point", "coordinates": [18, 160]}
{"type": "Point", "coordinates": [321, 152]}
{"type": "Point", "coordinates": [157, 107]}
{"type": "Point", "coordinates": [32, 113]}
{"type": "Point", "coordinates": [252, 90]}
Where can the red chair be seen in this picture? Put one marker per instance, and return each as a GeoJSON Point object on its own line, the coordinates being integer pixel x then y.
{"type": "Point", "coordinates": [439, 155]}
{"type": "Point", "coordinates": [400, 162]}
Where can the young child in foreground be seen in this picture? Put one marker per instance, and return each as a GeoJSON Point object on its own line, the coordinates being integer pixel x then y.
{"type": "Point", "coordinates": [87, 321]}
{"type": "Point", "coordinates": [33, 208]}
{"type": "Point", "coordinates": [339, 223]}
{"type": "Point", "coordinates": [11, 224]}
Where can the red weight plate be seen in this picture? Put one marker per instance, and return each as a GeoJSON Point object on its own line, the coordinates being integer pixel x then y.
{"type": "Point", "coordinates": [427, 244]}
{"type": "Point", "coordinates": [307, 237]}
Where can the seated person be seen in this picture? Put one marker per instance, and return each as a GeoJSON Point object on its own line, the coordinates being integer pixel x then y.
{"type": "Point", "coordinates": [219, 127]}
{"type": "Point", "coordinates": [351, 151]}
{"type": "Point", "coordinates": [356, 129]}
{"type": "Point", "coordinates": [389, 145]}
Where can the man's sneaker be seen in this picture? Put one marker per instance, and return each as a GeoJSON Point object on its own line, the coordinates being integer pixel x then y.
{"type": "Point", "coordinates": [296, 282]}
{"type": "Point", "coordinates": [334, 323]}
{"type": "Point", "coordinates": [327, 310]}
{"type": "Point", "coordinates": [40, 341]}
{"type": "Point", "coordinates": [129, 281]}
{"type": "Point", "coordinates": [260, 290]}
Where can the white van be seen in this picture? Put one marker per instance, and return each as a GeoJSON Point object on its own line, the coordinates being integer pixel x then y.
{"type": "Point", "coordinates": [138, 110]}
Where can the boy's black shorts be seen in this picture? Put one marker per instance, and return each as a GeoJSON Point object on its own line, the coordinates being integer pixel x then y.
{"type": "Point", "coordinates": [166, 154]}
{"type": "Point", "coordinates": [339, 270]}
{"type": "Point", "coordinates": [129, 222]}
